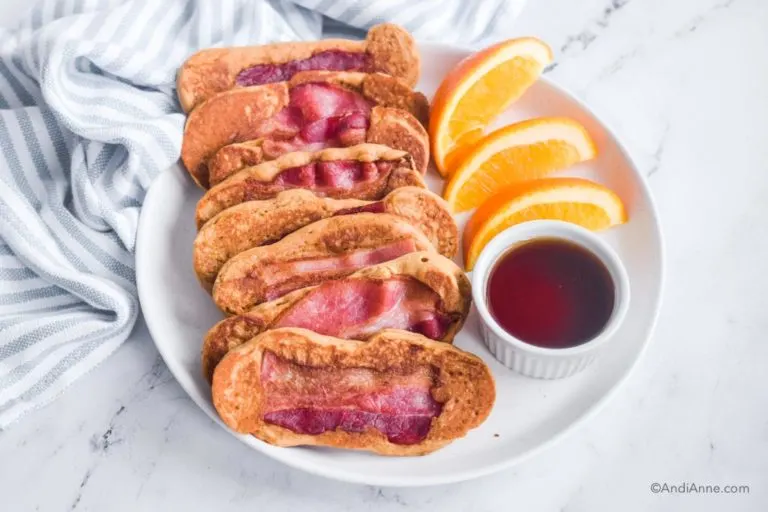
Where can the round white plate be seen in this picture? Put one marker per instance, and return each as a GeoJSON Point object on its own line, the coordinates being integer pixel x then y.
{"type": "Point", "coordinates": [528, 414]}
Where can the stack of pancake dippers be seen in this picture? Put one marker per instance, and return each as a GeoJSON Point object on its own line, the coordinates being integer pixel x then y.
{"type": "Point", "coordinates": [319, 239]}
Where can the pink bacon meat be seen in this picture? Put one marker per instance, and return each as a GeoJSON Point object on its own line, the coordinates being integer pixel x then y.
{"type": "Point", "coordinates": [357, 308]}
{"type": "Point", "coordinates": [375, 207]}
{"type": "Point", "coordinates": [397, 403]}
{"type": "Point", "coordinates": [318, 116]}
{"type": "Point", "coordinates": [323, 178]}
{"type": "Point", "coordinates": [320, 269]}
{"type": "Point", "coordinates": [329, 60]}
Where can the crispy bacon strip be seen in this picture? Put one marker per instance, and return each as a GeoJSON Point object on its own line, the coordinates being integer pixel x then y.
{"type": "Point", "coordinates": [309, 400]}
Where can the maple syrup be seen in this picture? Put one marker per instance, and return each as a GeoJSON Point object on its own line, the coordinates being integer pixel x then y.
{"type": "Point", "coordinates": [551, 293]}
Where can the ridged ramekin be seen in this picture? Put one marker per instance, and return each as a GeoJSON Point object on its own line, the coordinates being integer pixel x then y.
{"type": "Point", "coordinates": [530, 360]}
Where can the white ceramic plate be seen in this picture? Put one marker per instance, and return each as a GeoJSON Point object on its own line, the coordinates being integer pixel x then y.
{"type": "Point", "coordinates": [528, 415]}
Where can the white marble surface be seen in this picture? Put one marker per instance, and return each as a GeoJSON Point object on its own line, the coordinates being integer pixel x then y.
{"type": "Point", "coordinates": [685, 82]}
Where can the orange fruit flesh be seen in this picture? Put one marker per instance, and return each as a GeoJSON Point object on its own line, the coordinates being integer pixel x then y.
{"type": "Point", "coordinates": [527, 162]}
{"type": "Point", "coordinates": [462, 148]}
{"type": "Point", "coordinates": [477, 90]}
{"type": "Point", "coordinates": [588, 215]}
{"type": "Point", "coordinates": [484, 101]}
{"type": "Point", "coordinates": [576, 200]}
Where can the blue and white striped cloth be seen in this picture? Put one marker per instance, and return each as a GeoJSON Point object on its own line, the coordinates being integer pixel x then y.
{"type": "Point", "coordinates": [88, 117]}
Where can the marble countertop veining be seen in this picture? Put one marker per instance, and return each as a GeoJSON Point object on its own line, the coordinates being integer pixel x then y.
{"type": "Point", "coordinates": [684, 84]}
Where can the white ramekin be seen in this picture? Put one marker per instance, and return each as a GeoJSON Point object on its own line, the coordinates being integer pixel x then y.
{"type": "Point", "coordinates": [531, 360]}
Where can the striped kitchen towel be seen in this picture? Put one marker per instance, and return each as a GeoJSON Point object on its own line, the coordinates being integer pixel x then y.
{"type": "Point", "coordinates": [88, 118]}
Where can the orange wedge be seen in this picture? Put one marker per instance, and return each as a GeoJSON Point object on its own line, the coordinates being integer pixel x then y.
{"type": "Point", "coordinates": [521, 151]}
{"type": "Point", "coordinates": [477, 90]}
{"type": "Point", "coordinates": [575, 200]}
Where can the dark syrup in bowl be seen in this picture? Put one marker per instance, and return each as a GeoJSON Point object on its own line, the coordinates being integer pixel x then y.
{"type": "Point", "coordinates": [551, 293]}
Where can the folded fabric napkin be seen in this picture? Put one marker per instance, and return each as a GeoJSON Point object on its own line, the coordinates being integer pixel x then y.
{"type": "Point", "coordinates": [88, 118]}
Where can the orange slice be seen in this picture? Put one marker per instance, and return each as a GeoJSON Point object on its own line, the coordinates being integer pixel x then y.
{"type": "Point", "coordinates": [576, 200]}
{"type": "Point", "coordinates": [521, 151]}
{"type": "Point", "coordinates": [477, 90]}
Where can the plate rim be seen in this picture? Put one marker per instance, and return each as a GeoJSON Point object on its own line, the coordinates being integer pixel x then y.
{"type": "Point", "coordinates": [461, 475]}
